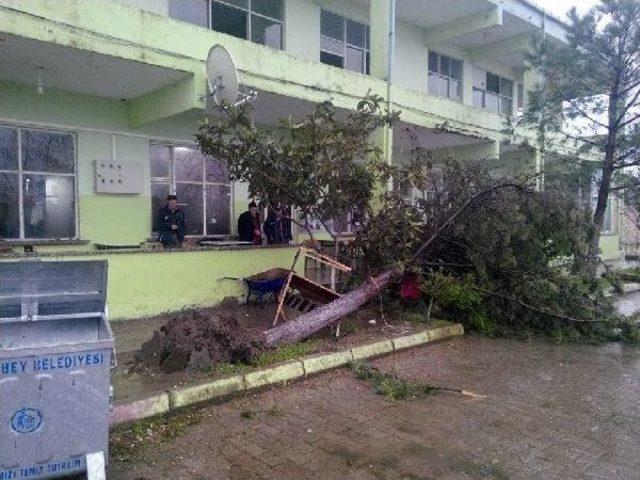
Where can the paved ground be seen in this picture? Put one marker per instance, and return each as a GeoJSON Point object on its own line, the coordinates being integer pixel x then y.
{"type": "Point", "coordinates": [629, 304]}
{"type": "Point", "coordinates": [553, 412]}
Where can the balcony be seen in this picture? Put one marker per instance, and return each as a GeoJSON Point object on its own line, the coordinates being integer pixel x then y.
{"type": "Point", "coordinates": [155, 65]}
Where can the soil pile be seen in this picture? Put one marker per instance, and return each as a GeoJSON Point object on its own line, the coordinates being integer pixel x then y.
{"type": "Point", "coordinates": [196, 340]}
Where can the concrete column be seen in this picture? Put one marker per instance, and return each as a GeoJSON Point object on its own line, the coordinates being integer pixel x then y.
{"type": "Point", "coordinates": [467, 82]}
{"type": "Point", "coordinates": [379, 30]}
{"type": "Point", "coordinates": [381, 42]}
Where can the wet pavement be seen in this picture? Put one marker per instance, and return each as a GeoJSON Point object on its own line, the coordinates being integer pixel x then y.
{"type": "Point", "coordinates": [628, 304]}
{"type": "Point", "coordinates": [551, 412]}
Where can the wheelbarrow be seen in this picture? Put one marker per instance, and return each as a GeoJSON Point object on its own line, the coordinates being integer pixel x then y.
{"type": "Point", "coordinates": [264, 283]}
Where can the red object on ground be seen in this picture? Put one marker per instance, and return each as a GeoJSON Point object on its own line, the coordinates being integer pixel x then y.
{"type": "Point", "coordinates": [409, 289]}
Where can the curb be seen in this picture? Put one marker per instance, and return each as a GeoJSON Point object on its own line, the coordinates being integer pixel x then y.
{"type": "Point", "coordinates": [177, 398]}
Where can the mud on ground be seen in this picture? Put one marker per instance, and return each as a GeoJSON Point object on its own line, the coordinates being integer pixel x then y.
{"type": "Point", "coordinates": [134, 379]}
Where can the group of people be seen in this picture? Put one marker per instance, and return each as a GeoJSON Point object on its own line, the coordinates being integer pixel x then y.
{"type": "Point", "coordinates": [171, 225]}
{"type": "Point", "coordinates": [276, 228]}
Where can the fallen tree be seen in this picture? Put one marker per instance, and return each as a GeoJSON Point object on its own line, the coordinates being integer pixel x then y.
{"type": "Point", "coordinates": [506, 251]}
{"type": "Point", "coordinates": [306, 325]}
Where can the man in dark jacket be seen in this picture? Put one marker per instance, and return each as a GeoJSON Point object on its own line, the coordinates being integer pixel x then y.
{"type": "Point", "coordinates": [172, 223]}
{"type": "Point", "coordinates": [249, 226]}
{"type": "Point", "coordinates": [277, 227]}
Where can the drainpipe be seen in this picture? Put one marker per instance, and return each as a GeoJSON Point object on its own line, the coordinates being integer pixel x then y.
{"type": "Point", "coordinates": [391, 46]}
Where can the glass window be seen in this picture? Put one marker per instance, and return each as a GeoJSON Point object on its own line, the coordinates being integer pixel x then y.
{"type": "Point", "coordinates": [491, 102]}
{"type": "Point", "coordinates": [215, 171]}
{"type": "Point", "coordinates": [49, 206]}
{"type": "Point", "coordinates": [493, 83]}
{"type": "Point", "coordinates": [44, 151]}
{"type": "Point", "coordinates": [492, 92]}
{"type": "Point", "coordinates": [331, 59]}
{"type": "Point", "coordinates": [159, 192]}
{"type": "Point", "coordinates": [201, 184]}
{"type": "Point", "coordinates": [445, 74]}
{"type": "Point", "coordinates": [228, 20]}
{"type": "Point", "coordinates": [354, 60]}
{"type": "Point", "coordinates": [188, 164]}
{"type": "Point", "coordinates": [445, 65]}
{"type": "Point", "coordinates": [267, 32]}
{"type": "Point", "coordinates": [190, 200]}
{"type": "Point", "coordinates": [356, 33]}
{"type": "Point", "coordinates": [455, 89]}
{"type": "Point", "coordinates": [344, 43]}
{"type": "Point", "coordinates": [456, 69]}
{"type": "Point", "coordinates": [332, 46]}
{"type": "Point", "coordinates": [160, 156]}
{"type": "Point", "coordinates": [8, 149]}
{"type": "Point", "coordinates": [433, 62]}
{"type": "Point", "coordinates": [9, 206]}
{"type": "Point", "coordinates": [218, 210]}
{"type": "Point", "coordinates": [268, 8]}
{"type": "Point", "coordinates": [438, 85]}
{"type": "Point", "coordinates": [240, 3]}
{"type": "Point", "coordinates": [260, 21]}
{"type": "Point", "coordinates": [190, 11]}
{"type": "Point", "coordinates": [331, 25]}
{"type": "Point", "coordinates": [41, 174]}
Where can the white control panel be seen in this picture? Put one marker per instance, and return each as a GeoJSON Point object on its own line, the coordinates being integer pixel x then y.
{"type": "Point", "coordinates": [116, 176]}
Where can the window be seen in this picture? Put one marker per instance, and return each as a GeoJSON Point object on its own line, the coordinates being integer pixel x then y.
{"type": "Point", "coordinates": [190, 11]}
{"type": "Point", "coordinates": [492, 92]}
{"type": "Point", "coordinates": [37, 184]}
{"type": "Point", "coordinates": [260, 21]}
{"type": "Point", "coordinates": [201, 184]}
{"type": "Point", "coordinates": [445, 76]}
{"type": "Point", "coordinates": [344, 43]}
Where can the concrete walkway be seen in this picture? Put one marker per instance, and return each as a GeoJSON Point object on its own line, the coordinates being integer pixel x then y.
{"type": "Point", "coordinates": [552, 412]}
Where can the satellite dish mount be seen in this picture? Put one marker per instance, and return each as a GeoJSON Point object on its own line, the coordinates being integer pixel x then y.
{"type": "Point", "coordinates": [222, 78]}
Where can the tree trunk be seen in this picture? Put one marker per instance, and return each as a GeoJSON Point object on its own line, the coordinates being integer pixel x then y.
{"type": "Point", "coordinates": [598, 222]}
{"type": "Point", "coordinates": [608, 167]}
{"type": "Point", "coordinates": [326, 315]}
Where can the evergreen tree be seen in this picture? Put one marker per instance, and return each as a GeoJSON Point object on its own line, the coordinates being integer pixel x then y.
{"type": "Point", "coordinates": [589, 95]}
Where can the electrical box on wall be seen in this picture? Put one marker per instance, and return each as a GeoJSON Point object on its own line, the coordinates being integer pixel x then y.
{"type": "Point", "coordinates": [116, 176]}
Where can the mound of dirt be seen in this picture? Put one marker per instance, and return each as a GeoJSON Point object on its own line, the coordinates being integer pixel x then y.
{"type": "Point", "coordinates": [194, 340]}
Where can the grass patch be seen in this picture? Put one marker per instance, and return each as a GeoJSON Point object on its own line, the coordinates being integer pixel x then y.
{"type": "Point", "coordinates": [274, 411]}
{"type": "Point", "coordinates": [248, 414]}
{"type": "Point", "coordinates": [230, 368]}
{"type": "Point", "coordinates": [286, 352]}
{"type": "Point", "coordinates": [128, 441]}
{"type": "Point", "coordinates": [391, 387]}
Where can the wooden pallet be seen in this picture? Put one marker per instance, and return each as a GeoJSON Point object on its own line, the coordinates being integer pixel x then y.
{"type": "Point", "coordinates": [302, 294]}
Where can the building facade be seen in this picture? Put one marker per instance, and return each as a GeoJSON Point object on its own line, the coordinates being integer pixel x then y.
{"type": "Point", "coordinates": [100, 100]}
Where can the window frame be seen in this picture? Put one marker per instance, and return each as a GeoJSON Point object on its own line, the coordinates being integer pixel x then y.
{"type": "Point", "coordinates": [20, 172]}
{"type": "Point", "coordinates": [448, 78]}
{"type": "Point", "coordinates": [173, 182]}
{"type": "Point", "coordinates": [366, 50]}
{"type": "Point", "coordinates": [501, 97]}
{"type": "Point", "coordinates": [249, 11]}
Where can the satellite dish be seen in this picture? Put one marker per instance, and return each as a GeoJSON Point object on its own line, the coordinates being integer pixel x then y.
{"type": "Point", "coordinates": [222, 77]}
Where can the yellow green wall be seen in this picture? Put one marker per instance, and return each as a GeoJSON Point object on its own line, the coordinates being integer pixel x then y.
{"type": "Point", "coordinates": [145, 284]}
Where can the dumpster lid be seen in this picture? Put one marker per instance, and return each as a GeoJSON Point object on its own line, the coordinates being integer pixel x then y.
{"type": "Point", "coordinates": [47, 290]}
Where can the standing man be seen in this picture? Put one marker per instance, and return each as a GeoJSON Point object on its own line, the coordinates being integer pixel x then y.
{"type": "Point", "coordinates": [249, 226]}
{"type": "Point", "coordinates": [172, 224]}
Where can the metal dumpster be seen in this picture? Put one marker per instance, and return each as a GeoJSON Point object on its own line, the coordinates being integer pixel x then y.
{"type": "Point", "coordinates": [56, 352]}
